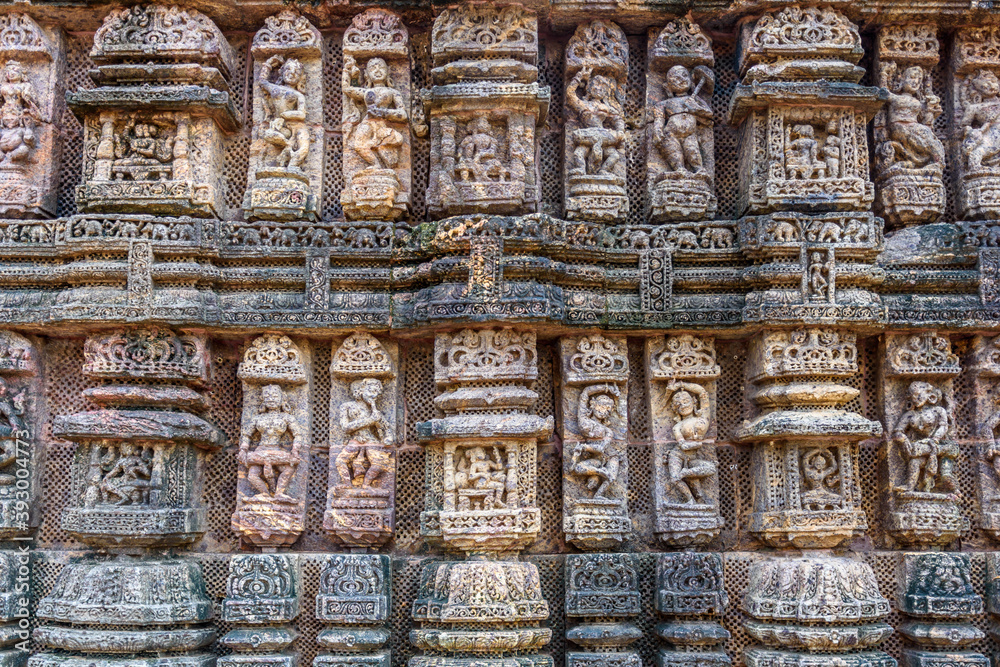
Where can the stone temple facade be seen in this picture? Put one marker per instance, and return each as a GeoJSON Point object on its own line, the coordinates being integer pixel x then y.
{"type": "Point", "coordinates": [576, 333]}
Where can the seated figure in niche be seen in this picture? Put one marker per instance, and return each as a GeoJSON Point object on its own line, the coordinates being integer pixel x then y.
{"type": "Point", "coordinates": [143, 149]}
{"type": "Point", "coordinates": [802, 153]}
{"type": "Point", "coordinates": [921, 437]}
{"type": "Point", "coordinates": [271, 467]}
{"type": "Point", "coordinates": [128, 476]}
{"type": "Point", "coordinates": [376, 105]}
{"type": "Point", "coordinates": [365, 455]}
{"type": "Point", "coordinates": [911, 112]}
{"type": "Point", "coordinates": [18, 114]}
{"type": "Point", "coordinates": [820, 481]}
{"type": "Point", "coordinates": [981, 120]}
{"type": "Point", "coordinates": [599, 109]}
{"type": "Point", "coordinates": [680, 118]}
{"type": "Point", "coordinates": [479, 154]}
{"type": "Point", "coordinates": [685, 470]}
{"type": "Point", "coordinates": [286, 134]}
{"type": "Point", "coordinates": [593, 458]}
{"type": "Point", "coordinates": [478, 472]}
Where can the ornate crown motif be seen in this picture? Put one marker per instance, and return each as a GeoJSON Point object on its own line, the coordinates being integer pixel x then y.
{"type": "Point", "coordinates": [924, 354]}
{"type": "Point", "coordinates": [804, 32]}
{"type": "Point", "coordinates": [938, 584]}
{"type": "Point", "coordinates": [376, 32]}
{"type": "Point", "coordinates": [361, 355]}
{"type": "Point", "coordinates": [353, 588]}
{"type": "Point", "coordinates": [809, 352]}
{"type": "Point", "coordinates": [977, 47]}
{"type": "Point", "coordinates": [272, 358]}
{"type": "Point", "coordinates": [601, 585]}
{"type": "Point", "coordinates": [21, 38]}
{"type": "Point", "coordinates": [288, 32]}
{"type": "Point", "coordinates": [469, 29]}
{"type": "Point", "coordinates": [260, 586]}
{"type": "Point", "coordinates": [681, 42]}
{"type": "Point", "coordinates": [146, 353]}
{"type": "Point", "coordinates": [683, 357]}
{"type": "Point", "coordinates": [599, 44]}
{"type": "Point", "coordinates": [912, 43]}
{"type": "Point", "coordinates": [690, 584]}
{"type": "Point", "coordinates": [596, 359]}
{"type": "Point", "coordinates": [485, 354]}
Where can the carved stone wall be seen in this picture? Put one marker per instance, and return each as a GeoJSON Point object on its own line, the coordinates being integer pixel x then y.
{"type": "Point", "coordinates": [333, 332]}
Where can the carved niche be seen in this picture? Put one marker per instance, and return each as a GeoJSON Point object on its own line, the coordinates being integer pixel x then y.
{"type": "Point", "coordinates": [680, 148]}
{"type": "Point", "coordinates": [136, 474]}
{"type": "Point", "coordinates": [362, 481]}
{"type": "Point", "coordinates": [262, 598]}
{"type": "Point", "coordinates": [21, 451]}
{"type": "Point", "coordinates": [691, 596]}
{"type": "Point", "coordinates": [806, 490]}
{"type": "Point", "coordinates": [975, 145]}
{"type": "Point", "coordinates": [603, 587]}
{"type": "Point", "coordinates": [802, 114]}
{"type": "Point", "coordinates": [986, 401]}
{"type": "Point", "coordinates": [909, 158]}
{"type": "Point", "coordinates": [920, 456]}
{"type": "Point", "coordinates": [681, 372]}
{"type": "Point", "coordinates": [32, 83]}
{"type": "Point", "coordinates": [596, 141]}
{"type": "Point", "coordinates": [936, 597]}
{"type": "Point", "coordinates": [481, 456]}
{"type": "Point", "coordinates": [483, 111]}
{"type": "Point", "coordinates": [274, 442]}
{"type": "Point", "coordinates": [595, 437]}
{"type": "Point", "coordinates": [376, 117]}
{"type": "Point", "coordinates": [285, 174]}
{"type": "Point", "coordinates": [815, 611]}
{"type": "Point", "coordinates": [355, 596]}
{"type": "Point", "coordinates": [153, 126]}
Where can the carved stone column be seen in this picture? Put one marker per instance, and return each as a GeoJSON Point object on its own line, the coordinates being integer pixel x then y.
{"type": "Point", "coordinates": [595, 440]}
{"type": "Point", "coordinates": [691, 595]}
{"type": "Point", "coordinates": [481, 477]}
{"type": "Point", "coordinates": [596, 145]}
{"type": "Point", "coordinates": [680, 376]}
{"type": "Point", "coordinates": [935, 592]}
{"type": "Point", "coordinates": [22, 413]}
{"type": "Point", "coordinates": [274, 441]}
{"type": "Point", "coordinates": [603, 591]}
{"type": "Point", "coordinates": [362, 483]}
{"type": "Point", "coordinates": [483, 111]}
{"type": "Point", "coordinates": [920, 455]}
{"type": "Point", "coordinates": [680, 148]}
{"type": "Point", "coordinates": [354, 594]}
{"type": "Point", "coordinates": [285, 175]}
{"type": "Point", "coordinates": [909, 158]}
{"type": "Point", "coordinates": [34, 75]}
{"type": "Point", "coordinates": [262, 597]}
{"type": "Point", "coordinates": [805, 477]}
{"type": "Point", "coordinates": [153, 131]}
{"type": "Point", "coordinates": [823, 612]}
{"type": "Point", "coordinates": [376, 117]}
{"type": "Point", "coordinates": [975, 145]}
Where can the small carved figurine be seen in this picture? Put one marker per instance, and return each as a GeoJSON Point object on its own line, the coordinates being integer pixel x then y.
{"type": "Point", "coordinates": [273, 423]}
{"type": "Point", "coordinates": [592, 458]}
{"type": "Point", "coordinates": [686, 470]}
{"type": "Point", "coordinates": [921, 436]}
{"type": "Point", "coordinates": [365, 456]}
{"type": "Point", "coordinates": [678, 118]}
{"type": "Point", "coordinates": [286, 135]}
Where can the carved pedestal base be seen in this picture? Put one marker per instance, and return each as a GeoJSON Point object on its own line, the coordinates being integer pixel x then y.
{"type": "Point", "coordinates": [682, 196]}
{"type": "Point", "coordinates": [758, 657]}
{"type": "Point", "coordinates": [135, 526]}
{"type": "Point", "coordinates": [911, 196]}
{"type": "Point", "coordinates": [979, 196]}
{"type": "Point", "coordinates": [596, 197]}
{"type": "Point", "coordinates": [597, 523]}
{"type": "Point", "coordinates": [928, 519]}
{"type": "Point", "coordinates": [511, 661]}
{"type": "Point", "coordinates": [374, 195]}
{"type": "Point", "coordinates": [277, 660]}
{"type": "Point", "coordinates": [381, 659]}
{"type": "Point", "coordinates": [366, 518]}
{"type": "Point", "coordinates": [19, 197]}
{"type": "Point", "coordinates": [175, 198]}
{"type": "Point", "coordinates": [581, 659]}
{"type": "Point", "coordinates": [265, 521]}
{"type": "Point", "coordinates": [687, 525]}
{"type": "Point", "coordinates": [666, 658]}
{"type": "Point", "coordinates": [807, 530]}
{"type": "Point", "coordinates": [487, 197]}
{"type": "Point", "coordinates": [280, 194]}
{"type": "Point", "coordinates": [916, 658]}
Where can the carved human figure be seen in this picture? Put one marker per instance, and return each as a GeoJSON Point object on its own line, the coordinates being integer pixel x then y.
{"type": "Point", "coordinates": [819, 274]}
{"type": "Point", "coordinates": [981, 120]}
{"type": "Point", "coordinates": [142, 149]}
{"type": "Point", "coordinates": [478, 472]}
{"type": "Point", "coordinates": [286, 134]}
{"type": "Point", "coordinates": [479, 154]}
{"type": "Point", "coordinates": [991, 451]}
{"type": "Point", "coordinates": [12, 427]}
{"type": "Point", "coordinates": [678, 119]}
{"type": "Point", "coordinates": [18, 114]}
{"type": "Point", "coordinates": [128, 476]}
{"type": "Point", "coordinates": [912, 109]}
{"type": "Point", "coordinates": [920, 434]}
{"type": "Point", "coordinates": [365, 456]}
{"type": "Point", "coordinates": [819, 468]}
{"type": "Point", "coordinates": [831, 152]}
{"type": "Point", "coordinates": [602, 123]}
{"type": "Point", "coordinates": [685, 469]}
{"type": "Point", "coordinates": [273, 424]}
{"type": "Point", "coordinates": [802, 153]}
{"type": "Point", "coordinates": [376, 105]}
{"type": "Point", "coordinates": [593, 457]}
